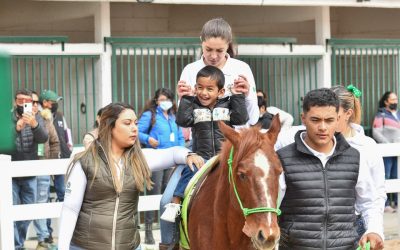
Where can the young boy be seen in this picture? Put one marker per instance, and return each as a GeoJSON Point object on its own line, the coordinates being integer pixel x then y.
{"type": "Point", "coordinates": [202, 112]}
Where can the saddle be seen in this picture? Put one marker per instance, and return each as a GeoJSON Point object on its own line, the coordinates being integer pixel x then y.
{"type": "Point", "coordinates": [190, 193]}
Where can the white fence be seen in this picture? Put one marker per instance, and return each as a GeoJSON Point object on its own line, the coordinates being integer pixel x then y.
{"type": "Point", "coordinates": [10, 213]}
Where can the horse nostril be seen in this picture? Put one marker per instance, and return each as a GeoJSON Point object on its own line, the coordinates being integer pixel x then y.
{"type": "Point", "coordinates": [261, 236]}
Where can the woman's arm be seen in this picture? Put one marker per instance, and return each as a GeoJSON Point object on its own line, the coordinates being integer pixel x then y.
{"type": "Point", "coordinates": [144, 124]}
{"type": "Point", "coordinates": [74, 193]}
{"type": "Point", "coordinates": [159, 159]}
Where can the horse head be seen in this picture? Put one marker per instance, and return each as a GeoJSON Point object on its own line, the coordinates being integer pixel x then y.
{"type": "Point", "coordinates": [254, 180]}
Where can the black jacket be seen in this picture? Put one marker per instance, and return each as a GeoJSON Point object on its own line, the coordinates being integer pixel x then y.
{"type": "Point", "coordinates": [206, 134]}
{"type": "Point", "coordinates": [318, 207]}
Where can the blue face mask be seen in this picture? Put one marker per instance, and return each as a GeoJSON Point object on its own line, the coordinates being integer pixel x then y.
{"type": "Point", "coordinates": [165, 105]}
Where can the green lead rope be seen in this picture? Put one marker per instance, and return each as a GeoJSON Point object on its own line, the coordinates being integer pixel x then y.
{"type": "Point", "coordinates": [367, 246]}
{"type": "Point", "coordinates": [247, 211]}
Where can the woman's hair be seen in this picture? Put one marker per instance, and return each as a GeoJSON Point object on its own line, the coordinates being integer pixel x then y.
{"type": "Point", "coordinates": [96, 123]}
{"type": "Point", "coordinates": [384, 98]}
{"type": "Point", "coordinates": [218, 28]}
{"type": "Point", "coordinates": [347, 101]}
{"type": "Point", "coordinates": [151, 105]}
{"type": "Point", "coordinates": [132, 157]}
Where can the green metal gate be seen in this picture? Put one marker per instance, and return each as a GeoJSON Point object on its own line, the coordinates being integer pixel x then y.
{"type": "Point", "coordinates": [372, 65]}
{"type": "Point", "coordinates": [140, 65]}
{"type": "Point", "coordinates": [285, 79]}
{"type": "Point", "coordinates": [71, 76]}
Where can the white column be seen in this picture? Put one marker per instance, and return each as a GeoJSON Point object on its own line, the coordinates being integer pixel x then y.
{"type": "Point", "coordinates": [102, 27]}
{"type": "Point", "coordinates": [323, 32]}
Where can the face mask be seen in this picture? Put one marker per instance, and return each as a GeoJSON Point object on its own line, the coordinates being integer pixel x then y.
{"type": "Point", "coordinates": [393, 106]}
{"type": "Point", "coordinates": [54, 107]}
{"type": "Point", "coordinates": [20, 110]}
{"type": "Point", "coordinates": [165, 105]}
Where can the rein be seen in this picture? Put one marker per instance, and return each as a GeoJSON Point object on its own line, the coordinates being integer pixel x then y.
{"type": "Point", "coordinates": [247, 211]}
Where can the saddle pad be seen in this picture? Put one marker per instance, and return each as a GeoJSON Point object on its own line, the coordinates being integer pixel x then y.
{"type": "Point", "coordinates": [190, 192]}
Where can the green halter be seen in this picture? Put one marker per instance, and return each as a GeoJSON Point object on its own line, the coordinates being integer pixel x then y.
{"type": "Point", "coordinates": [247, 211]}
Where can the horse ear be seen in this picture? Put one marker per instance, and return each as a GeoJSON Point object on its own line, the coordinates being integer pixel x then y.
{"type": "Point", "coordinates": [229, 133]}
{"type": "Point", "coordinates": [274, 129]}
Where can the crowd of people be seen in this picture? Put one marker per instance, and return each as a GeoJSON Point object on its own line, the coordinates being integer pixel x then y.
{"type": "Point", "coordinates": [332, 191]}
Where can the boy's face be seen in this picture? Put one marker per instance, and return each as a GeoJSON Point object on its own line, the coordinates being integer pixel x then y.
{"type": "Point", "coordinates": [321, 123]}
{"type": "Point", "coordinates": [207, 91]}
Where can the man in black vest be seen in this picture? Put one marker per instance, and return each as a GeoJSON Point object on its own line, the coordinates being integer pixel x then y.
{"type": "Point", "coordinates": [322, 184]}
{"type": "Point", "coordinates": [49, 99]}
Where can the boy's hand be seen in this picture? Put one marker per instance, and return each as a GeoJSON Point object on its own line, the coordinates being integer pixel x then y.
{"type": "Point", "coordinates": [374, 239]}
{"type": "Point", "coordinates": [240, 86]}
{"type": "Point", "coordinates": [184, 89]}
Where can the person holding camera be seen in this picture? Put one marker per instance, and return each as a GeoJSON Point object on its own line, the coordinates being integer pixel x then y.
{"type": "Point", "coordinates": [29, 132]}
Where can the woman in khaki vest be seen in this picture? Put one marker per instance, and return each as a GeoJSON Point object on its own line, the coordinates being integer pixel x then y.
{"type": "Point", "coordinates": [104, 182]}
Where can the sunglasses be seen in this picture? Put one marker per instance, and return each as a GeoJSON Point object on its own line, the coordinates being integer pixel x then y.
{"type": "Point", "coordinates": [35, 102]}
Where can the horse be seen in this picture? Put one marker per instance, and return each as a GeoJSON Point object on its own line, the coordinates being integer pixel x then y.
{"type": "Point", "coordinates": [236, 206]}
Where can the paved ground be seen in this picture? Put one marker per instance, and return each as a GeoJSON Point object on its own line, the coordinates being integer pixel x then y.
{"type": "Point", "coordinates": [391, 223]}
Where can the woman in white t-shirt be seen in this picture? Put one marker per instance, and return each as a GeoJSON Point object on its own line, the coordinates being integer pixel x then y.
{"type": "Point", "coordinates": [217, 48]}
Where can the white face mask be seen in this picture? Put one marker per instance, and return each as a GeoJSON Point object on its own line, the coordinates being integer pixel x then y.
{"type": "Point", "coordinates": [165, 105]}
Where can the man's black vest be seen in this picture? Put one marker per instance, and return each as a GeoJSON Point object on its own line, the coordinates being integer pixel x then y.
{"type": "Point", "coordinates": [62, 136]}
{"type": "Point", "coordinates": [318, 207]}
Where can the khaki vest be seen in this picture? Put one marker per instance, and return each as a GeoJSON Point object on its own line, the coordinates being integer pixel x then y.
{"type": "Point", "coordinates": [101, 206]}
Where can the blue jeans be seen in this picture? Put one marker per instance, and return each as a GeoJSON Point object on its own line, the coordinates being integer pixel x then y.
{"type": "Point", "coordinates": [43, 186]}
{"type": "Point", "coordinates": [24, 192]}
{"type": "Point", "coordinates": [186, 175]}
{"type": "Point", "coordinates": [160, 179]}
{"type": "Point", "coordinates": [390, 173]}
{"type": "Point", "coordinates": [59, 186]}
{"type": "Point", "coordinates": [167, 228]}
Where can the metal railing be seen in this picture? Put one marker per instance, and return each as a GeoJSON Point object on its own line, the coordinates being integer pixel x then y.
{"type": "Point", "coordinates": [372, 65]}
{"type": "Point", "coordinates": [140, 65]}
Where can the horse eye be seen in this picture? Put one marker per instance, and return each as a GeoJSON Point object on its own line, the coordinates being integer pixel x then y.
{"type": "Point", "coordinates": [242, 176]}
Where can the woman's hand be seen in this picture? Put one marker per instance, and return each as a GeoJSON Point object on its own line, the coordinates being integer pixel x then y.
{"type": "Point", "coordinates": [241, 86]}
{"type": "Point", "coordinates": [153, 142]}
{"type": "Point", "coordinates": [195, 159]}
{"type": "Point", "coordinates": [184, 88]}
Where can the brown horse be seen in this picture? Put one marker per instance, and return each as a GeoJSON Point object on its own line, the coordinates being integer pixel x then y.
{"type": "Point", "coordinates": [216, 219]}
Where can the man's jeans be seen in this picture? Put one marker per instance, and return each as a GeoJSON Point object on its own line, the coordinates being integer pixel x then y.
{"type": "Point", "coordinates": [43, 185]}
{"type": "Point", "coordinates": [24, 192]}
{"type": "Point", "coordinates": [59, 186]}
{"type": "Point", "coordinates": [168, 228]}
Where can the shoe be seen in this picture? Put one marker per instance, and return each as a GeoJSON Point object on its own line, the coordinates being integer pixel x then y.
{"type": "Point", "coordinates": [389, 209]}
{"type": "Point", "coordinates": [49, 240]}
{"type": "Point", "coordinates": [42, 245]}
{"type": "Point", "coordinates": [171, 212]}
{"type": "Point", "coordinates": [148, 235]}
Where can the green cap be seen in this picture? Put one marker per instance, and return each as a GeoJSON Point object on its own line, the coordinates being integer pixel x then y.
{"type": "Point", "coordinates": [49, 95]}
